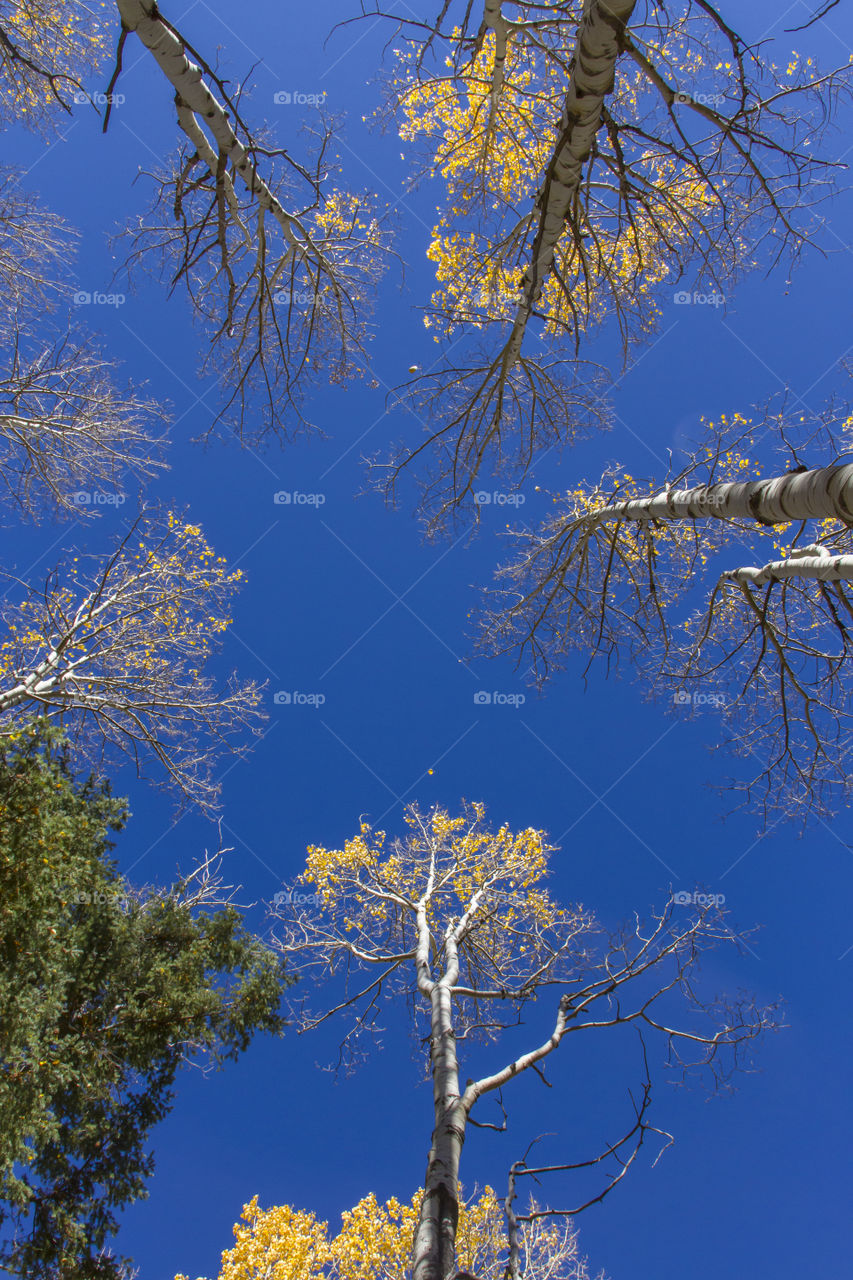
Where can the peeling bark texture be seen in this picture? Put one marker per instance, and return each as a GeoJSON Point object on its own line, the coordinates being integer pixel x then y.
{"type": "Point", "coordinates": [599, 44]}
{"type": "Point", "coordinates": [826, 493]}
{"type": "Point", "coordinates": [437, 1224]}
{"type": "Point", "coordinates": [493, 20]}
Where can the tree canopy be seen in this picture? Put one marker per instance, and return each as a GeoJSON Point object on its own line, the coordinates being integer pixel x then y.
{"type": "Point", "coordinates": [455, 920]}
{"type": "Point", "coordinates": [105, 990]}
{"type": "Point", "coordinates": [375, 1243]}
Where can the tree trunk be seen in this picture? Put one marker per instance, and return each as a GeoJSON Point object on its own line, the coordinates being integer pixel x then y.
{"type": "Point", "coordinates": [186, 78]}
{"type": "Point", "coordinates": [813, 562]}
{"type": "Point", "coordinates": [434, 1250]}
{"type": "Point", "coordinates": [826, 493]}
{"type": "Point", "coordinates": [593, 74]}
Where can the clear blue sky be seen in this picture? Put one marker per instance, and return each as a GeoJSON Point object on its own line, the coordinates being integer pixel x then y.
{"type": "Point", "coordinates": [345, 600]}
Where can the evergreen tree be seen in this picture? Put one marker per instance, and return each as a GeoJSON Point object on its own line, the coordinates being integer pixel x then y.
{"type": "Point", "coordinates": [104, 991]}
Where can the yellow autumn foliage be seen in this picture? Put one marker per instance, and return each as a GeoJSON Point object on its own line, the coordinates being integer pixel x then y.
{"type": "Point", "coordinates": [49, 46]}
{"type": "Point", "coordinates": [164, 600]}
{"type": "Point", "coordinates": [374, 1242]}
{"type": "Point", "coordinates": [447, 861]}
{"type": "Point", "coordinates": [491, 148]}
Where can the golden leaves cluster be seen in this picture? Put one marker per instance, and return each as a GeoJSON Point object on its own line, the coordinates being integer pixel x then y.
{"type": "Point", "coordinates": [491, 138]}
{"type": "Point", "coordinates": [160, 603]}
{"type": "Point", "coordinates": [49, 46]}
{"type": "Point", "coordinates": [479, 886]}
{"type": "Point", "coordinates": [374, 1241]}
{"type": "Point", "coordinates": [461, 855]}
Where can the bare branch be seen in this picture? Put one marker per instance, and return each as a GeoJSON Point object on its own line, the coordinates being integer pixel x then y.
{"type": "Point", "coordinates": [276, 262]}
{"type": "Point", "coordinates": [69, 439]}
{"type": "Point", "coordinates": [117, 654]}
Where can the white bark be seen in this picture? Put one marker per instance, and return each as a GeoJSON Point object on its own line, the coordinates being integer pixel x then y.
{"type": "Point", "coordinates": [804, 562]}
{"type": "Point", "coordinates": [64, 427]}
{"type": "Point", "coordinates": [465, 952]}
{"type": "Point", "coordinates": [514, 1068]}
{"type": "Point", "coordinates": [123, 666]}
{"type": "Point", "coordinates": [435, 1238]}
{"type": "Point", "coordinates": [493, 20]}
{"type": "Point", "coordinates": [434, 1250]}
{"type": "Point", "coordinates": [592, 79]}
{"type": "Point", "coordinates": [822, 494]}
{"type": "Point", "coordinates": [141, 17]}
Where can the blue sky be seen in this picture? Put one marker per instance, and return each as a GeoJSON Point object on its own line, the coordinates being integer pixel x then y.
{"type": "Point", "coordinates": [345, 600]}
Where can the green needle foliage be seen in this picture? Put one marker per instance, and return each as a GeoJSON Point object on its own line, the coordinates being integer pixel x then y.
{"type": "Point", "coordinates": [104, 991]}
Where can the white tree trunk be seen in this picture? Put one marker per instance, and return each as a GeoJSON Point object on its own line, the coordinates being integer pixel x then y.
{"type": "Point", "coordinates": [434, 1256]}
{"type": "Point", "coordinates": [493, 20]}
{"type": "Point", "coordinates": [823, 494]}
{"type": "Point", "coordinates": [592, 79]}
{"type": "Point", "coordinates": [804, 562]}
{"type": "Point", "coordinates": [141, 17]}
{"type": "Point", "coordinates": [434, 1248]}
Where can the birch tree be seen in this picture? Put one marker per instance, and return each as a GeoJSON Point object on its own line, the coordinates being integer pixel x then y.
{"type": "Point", "coordinates": [594, 156]}
{"type": "Point", "coordinates": [455, 919]}
{"type": "Point", "coordinates": [64, 424]}
{"type": "Point", "coordinates": [36, 248]}
{"type": "Point", "coordinates": [116, 650]}
{"type": "Point", "coordinates": [375, 1243]}
{"type": "Point", "coordinates": [723, 590]}
{"type": "Point", "coordinates": [275, 259]}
